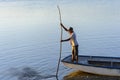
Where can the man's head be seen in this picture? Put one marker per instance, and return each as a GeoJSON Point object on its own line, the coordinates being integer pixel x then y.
{"type": "Point", "coordinates": [70, 29]}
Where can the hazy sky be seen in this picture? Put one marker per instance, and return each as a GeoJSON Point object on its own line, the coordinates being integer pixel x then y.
{"type": "Point", "coordinates": [94, 11]}
{"type": "Point", "coordinates": [38, 20]}
{"type": "Point", "coordinates": [78, 12]}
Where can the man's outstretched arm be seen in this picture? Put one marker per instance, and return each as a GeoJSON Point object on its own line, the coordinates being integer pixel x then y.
{"type": "Point", "coordinates": [63, 27]}
{"type": "Point", "coordinates": [65, 40]}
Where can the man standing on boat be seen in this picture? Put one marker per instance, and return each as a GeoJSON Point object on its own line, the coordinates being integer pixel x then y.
{"type": "Point", "coordinates": [73, 42]}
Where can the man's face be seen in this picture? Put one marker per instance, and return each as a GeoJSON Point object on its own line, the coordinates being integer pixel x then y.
{"type": "Point", "coordinates": [70, 31]}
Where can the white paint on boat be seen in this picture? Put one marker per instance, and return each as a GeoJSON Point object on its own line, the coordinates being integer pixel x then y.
{"type": "Point", "coordinates": [101, 70]}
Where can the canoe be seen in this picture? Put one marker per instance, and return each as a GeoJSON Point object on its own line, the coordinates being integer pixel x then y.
{"type": "Point", "coordinates": [95, 64]}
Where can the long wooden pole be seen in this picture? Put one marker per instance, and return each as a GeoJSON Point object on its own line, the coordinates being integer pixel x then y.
{"type": "Point", "coordinates": [60, 40]}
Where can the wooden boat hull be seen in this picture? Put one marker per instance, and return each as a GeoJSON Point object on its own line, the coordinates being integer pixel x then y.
{"type": "Point", "coordinates": [90, 68]}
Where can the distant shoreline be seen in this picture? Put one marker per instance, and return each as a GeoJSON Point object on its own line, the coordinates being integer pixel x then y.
{"type": "Point", "coordinates": [78, 75]}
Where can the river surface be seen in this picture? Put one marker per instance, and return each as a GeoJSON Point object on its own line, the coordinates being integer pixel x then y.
{"type": "Point", "coordinates": [30, 35]}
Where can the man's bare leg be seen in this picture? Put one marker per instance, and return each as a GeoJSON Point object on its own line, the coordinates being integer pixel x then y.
{"type": "Point", "coordinates": [73, 57]}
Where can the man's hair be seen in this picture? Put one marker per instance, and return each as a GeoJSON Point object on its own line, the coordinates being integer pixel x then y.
{"type": "Point", "coordinates": [70, 29]}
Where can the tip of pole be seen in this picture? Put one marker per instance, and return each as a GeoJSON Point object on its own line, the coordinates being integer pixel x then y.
{"type": "Point", "coordinates": [57, 6]}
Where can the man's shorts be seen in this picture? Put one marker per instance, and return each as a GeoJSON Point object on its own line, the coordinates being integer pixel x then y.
{"type": "Point", "coordinates": [75, 50]}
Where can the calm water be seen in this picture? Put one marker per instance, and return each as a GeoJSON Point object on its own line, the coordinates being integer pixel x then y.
{"type": "Point", "coordinates": [30, 35]}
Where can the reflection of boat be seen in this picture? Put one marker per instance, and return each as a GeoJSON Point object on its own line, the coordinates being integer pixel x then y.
{"type": "Point", "coordinates": [95, 64]}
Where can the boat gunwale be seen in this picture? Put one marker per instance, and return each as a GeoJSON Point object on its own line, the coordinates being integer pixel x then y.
{"type": "Point", "coordinates": [109, 67]}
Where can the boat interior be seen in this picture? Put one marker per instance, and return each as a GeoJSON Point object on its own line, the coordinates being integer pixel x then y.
{"type": "Point", "coordinates": [96, 61]}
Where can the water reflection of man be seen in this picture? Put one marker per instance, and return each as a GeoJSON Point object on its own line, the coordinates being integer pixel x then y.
{"type": "Point", "coordinates": [73, 42]}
